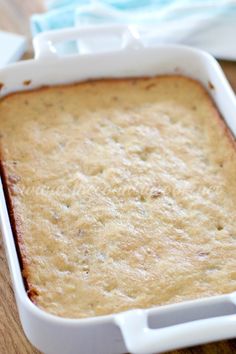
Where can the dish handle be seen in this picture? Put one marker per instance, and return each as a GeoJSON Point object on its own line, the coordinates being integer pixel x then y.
{"type": "Point", "coordinates": [141, 339]}
{"type": "Point", "coordinates": [44, 43]}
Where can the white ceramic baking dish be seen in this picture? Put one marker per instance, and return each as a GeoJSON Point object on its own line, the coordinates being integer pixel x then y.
{"type": "Point", "coordinates": [137, 331]}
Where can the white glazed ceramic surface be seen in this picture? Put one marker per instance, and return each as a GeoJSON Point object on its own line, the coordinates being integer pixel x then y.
{"type": "Point", "coordinates": [137, 331]}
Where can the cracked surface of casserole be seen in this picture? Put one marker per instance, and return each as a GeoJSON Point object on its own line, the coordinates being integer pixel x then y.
{"type": "Point", "coordinates": [122, 194]}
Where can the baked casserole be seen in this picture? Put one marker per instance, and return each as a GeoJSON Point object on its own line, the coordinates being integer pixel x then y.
{"type": "Point", "coordinates": [121, 194]}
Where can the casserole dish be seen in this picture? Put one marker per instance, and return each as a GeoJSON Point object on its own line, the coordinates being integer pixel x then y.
{"type": "Point", "coordinates": [137, 331]}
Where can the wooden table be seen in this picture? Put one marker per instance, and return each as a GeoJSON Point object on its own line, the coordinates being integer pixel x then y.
{"type": "Point", "coordinates": [14, 16]}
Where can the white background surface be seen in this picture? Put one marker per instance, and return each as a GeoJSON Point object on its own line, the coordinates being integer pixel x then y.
{"type": "Point", "coordinates": [12, 47]}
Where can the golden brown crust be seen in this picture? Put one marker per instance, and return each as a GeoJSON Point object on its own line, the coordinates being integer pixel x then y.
{"type": "Point", "coordinates": [11, 180]}
{"type": "Point", "coordinates": [16, 225]}
{"type": "Point", "coordinates": [222, 123]}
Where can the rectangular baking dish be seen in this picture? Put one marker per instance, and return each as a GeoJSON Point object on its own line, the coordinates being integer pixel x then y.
{"type": "Point", "coordinates": [137, 331]}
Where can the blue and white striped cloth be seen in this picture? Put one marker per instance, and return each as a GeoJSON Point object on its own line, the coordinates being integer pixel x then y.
{"type": "Point", "coordinates": [210, 25]}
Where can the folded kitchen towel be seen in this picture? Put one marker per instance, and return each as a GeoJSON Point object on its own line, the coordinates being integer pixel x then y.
{"type": "Point", "coordinates": [210, 25]}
